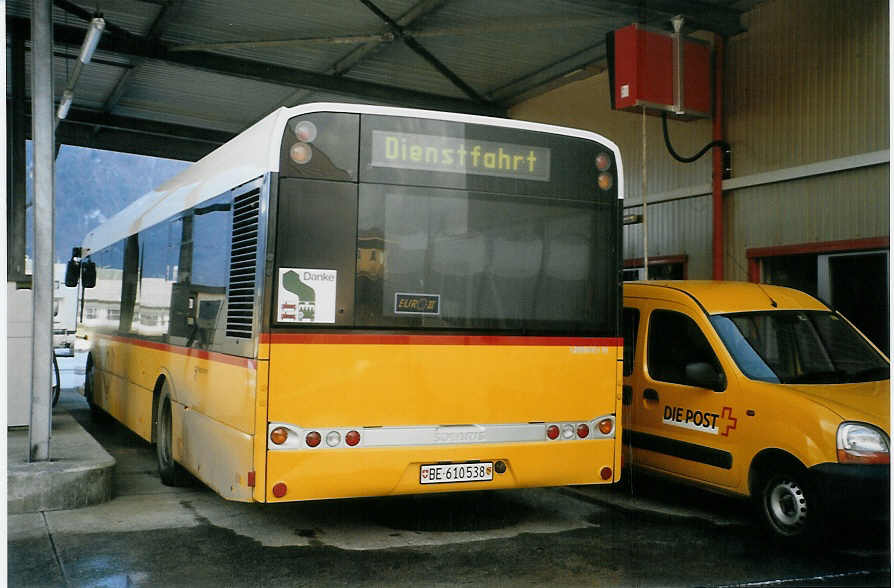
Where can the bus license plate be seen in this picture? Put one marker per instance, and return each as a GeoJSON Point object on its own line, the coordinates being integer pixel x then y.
{"type": "Point", "coordinates": [448, 473]}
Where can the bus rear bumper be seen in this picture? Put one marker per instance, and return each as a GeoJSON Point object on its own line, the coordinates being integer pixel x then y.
{"type": "Point", "coordinates": [355, 472]}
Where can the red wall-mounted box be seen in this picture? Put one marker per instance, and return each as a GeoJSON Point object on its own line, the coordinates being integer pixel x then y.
{"type": "Point", "coordinates": [641, 69]}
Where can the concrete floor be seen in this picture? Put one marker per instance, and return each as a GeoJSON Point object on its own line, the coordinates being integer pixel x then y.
{"type": "Point", "coordinates": [665, 535]}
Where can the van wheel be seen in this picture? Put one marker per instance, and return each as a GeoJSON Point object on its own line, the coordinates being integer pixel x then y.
{"type": "Point", "coordinates": [790, 507]}
{"type": "Point", "coordinates": [171, 473]}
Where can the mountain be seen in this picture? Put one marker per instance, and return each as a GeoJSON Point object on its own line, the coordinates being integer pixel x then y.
{"type": "Point", "coordinates": [91, 186]}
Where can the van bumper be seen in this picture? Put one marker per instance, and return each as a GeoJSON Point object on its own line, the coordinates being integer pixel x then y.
{"type": "Point", "coordinates": [855, 488]}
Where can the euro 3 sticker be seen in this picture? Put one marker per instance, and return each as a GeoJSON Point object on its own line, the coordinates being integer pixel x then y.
{"type": "Point", "coordinates": [306, 295]}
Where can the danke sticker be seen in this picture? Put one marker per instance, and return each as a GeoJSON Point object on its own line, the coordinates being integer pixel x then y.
{"type": "Point", "coordinates": [306, 295]}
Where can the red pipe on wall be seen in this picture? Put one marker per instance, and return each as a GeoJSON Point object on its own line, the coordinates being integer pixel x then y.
{"type": "Point", "coordinates": [717, 177]}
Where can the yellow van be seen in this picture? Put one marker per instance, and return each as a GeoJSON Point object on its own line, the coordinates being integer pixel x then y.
{"type": "Point", "coordinates": [758, 391]}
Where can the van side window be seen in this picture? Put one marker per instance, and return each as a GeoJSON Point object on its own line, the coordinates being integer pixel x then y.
{"type": "Point", "coordinates": [631, 324]}
{"type": "Point", "coordinates": [675, 341]}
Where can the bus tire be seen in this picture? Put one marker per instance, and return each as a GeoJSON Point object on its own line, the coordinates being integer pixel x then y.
{"type": "Point", "coordinates": [789, 506]}
{"type": "Point", "coordinates": [96, 413]}
{"type": "Point", "coordinates": [170, 472]}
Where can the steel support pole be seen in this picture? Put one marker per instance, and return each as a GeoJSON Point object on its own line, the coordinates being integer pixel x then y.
{"type": "Point", "coordinates": [717, 177]}
{"type": "Point", "coordinates": [42, 126]}
{"type": "Point", "coordinates": [15, 199]}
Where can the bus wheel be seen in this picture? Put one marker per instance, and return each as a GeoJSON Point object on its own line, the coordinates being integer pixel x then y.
{"type": "Point", "coordinates": [96, 413]}
{"type": "Point", "coordinates": [171, 473]}
{"type": "Point", "coordinates": [789, 506]}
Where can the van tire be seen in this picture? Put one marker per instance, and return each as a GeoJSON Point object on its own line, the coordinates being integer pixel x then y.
{"type": "Point", "coordinates": [789, 505]}
{"type": "Point", "coordinates": [170, 472]}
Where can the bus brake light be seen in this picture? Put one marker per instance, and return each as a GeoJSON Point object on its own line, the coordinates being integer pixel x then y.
{"type": "Point", "coordinates": [552, 432]}
{"type": "Point", "coordinates": [312, 439]}
{"type": "Point", "coordinates": [279, 435]}
{"type": "Point", "coordinates": [352, 438]}
{"type": "Point", "coordinates": [583, 430]}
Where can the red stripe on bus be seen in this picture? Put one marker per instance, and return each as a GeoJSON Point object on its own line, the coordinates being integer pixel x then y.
{"type": "Point", "coordinates": [188, 351]}
{"type": "Point", "coordinates": [353, 339]}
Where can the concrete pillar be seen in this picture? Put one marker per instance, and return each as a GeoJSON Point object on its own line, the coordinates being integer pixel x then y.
{"type": "Point", "coordinates": [42, 134]}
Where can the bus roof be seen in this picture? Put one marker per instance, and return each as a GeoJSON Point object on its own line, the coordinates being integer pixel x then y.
{"type": "Point", "coordinates": [255, 151]}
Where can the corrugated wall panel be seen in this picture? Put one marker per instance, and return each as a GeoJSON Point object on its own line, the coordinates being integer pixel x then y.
{"type": "Point", "coordinates": [585, 105]}
{"type": "Point", "coordinates": [808, 82]}
{"type": "Point", "coordinates": [835, 207]}
{"type": "Point", "coordinates": [678, 227]}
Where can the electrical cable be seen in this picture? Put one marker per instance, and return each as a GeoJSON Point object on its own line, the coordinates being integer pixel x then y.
{"type": "Point", "coordinates": [718, 143]}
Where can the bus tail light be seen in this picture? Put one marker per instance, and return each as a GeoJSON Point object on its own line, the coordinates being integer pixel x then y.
{"type": "Point", "coordinates": [279, 489]}
{"type": "Point", "coordinates": [552, 432]}
{"type": "Point", "coordinates": [352, 438]}
{"type": "Point", "coordinates": [279, 435]}
{"type": "Point", "coordinates": [301, 153]}
{"type": "Point", "coordinates": [583, 430]}
{"type": "Point", "coordinates": [606, 473]}
{"type": "Point", "coordinates": [312, 439]}
{"type": "Point", "coordinates": [306, 131]}
{"type": "Point", "coordinates": [606, 426]}
{"type": "Point", "coordinates": [603, 161]}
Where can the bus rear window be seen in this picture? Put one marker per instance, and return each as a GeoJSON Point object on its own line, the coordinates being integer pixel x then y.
{"type": "Point", "coordinates": [455, 259]}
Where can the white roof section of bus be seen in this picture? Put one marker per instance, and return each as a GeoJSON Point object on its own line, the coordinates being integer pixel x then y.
{"type": "Point", "coordinates": [255, 151]}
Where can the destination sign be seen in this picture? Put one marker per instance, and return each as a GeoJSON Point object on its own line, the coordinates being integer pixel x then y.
{"type": "Point", "coordinates": [437, 153]}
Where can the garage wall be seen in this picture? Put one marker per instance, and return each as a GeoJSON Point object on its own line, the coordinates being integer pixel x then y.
{"type": "Point", "coordinates": [806, 84]}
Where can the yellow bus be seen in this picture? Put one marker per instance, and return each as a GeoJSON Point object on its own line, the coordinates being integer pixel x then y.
{"type": "Point", "coordinates": [349, 300]}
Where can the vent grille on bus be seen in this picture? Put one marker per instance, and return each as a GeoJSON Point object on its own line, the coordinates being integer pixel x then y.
{"type": "Point", "coordinates": [243, 265]}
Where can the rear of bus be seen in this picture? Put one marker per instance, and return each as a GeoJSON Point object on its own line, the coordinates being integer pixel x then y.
{"type": "Point", "coordinates": [442, 307]}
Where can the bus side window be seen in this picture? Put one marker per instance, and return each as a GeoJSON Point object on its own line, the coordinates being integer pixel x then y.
{"type": "Point", "coordinates": [129, 284]}
{"type": "Point", "coordinates": [631, 325]}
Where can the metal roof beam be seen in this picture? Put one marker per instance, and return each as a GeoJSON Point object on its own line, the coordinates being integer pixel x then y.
{"type": "Point", "coordinates": [550, 76]}
{"type": "Point", "coordinates": [417, 48]}
{"type": "Point", "coordinates": [131, 45]}
{"type": "Point", "coordinates": [358, 54]}
{"type": "Point", "coordinates": [96, 120]}
{"type": "Point", "coordinates": [699, 15]}
{"type": "Point", "coordinates": [125, 141]}
{"type": "Point", "coordinates": [165, 14]}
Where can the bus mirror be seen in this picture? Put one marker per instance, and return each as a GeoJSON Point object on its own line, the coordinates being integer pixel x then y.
{"type": "Point", "coordinates": [89, 274]}
{"type": "Point", "coordinates": [72, 273]}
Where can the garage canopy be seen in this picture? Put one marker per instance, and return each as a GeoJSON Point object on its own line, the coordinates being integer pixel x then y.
{"type": "Point", "coordinates": [176, 78]}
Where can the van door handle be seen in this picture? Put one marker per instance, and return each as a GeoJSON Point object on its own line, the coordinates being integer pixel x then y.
{"type": "Point", "coordinates": [650, 394]}
{"type": "Point", "coordinates": [627, 395]}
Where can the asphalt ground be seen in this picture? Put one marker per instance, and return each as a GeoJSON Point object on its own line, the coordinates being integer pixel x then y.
{"type": "Point", "coordinates": [648, 533]}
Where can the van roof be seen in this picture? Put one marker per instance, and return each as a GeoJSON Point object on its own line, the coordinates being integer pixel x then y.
{"type": "Point", "coordinates": [719, 297]}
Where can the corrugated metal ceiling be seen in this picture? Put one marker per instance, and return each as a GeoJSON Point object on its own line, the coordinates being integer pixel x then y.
{"type": "Point", "coordinates": [161, 60]}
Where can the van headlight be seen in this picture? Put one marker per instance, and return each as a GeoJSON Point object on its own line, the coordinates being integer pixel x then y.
{"type": "Point", "coordinates": [862, 443]}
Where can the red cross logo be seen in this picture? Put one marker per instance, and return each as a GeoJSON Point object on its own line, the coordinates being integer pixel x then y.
{"type": "Point", "coordinates": [727, 414]}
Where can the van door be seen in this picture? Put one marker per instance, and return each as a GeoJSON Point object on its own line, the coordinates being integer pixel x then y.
{"type": "Point", "coordinates": [679, 427]}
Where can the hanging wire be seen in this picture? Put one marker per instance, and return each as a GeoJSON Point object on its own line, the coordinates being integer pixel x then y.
{"type": "Point", "coordinates": [718, 143]}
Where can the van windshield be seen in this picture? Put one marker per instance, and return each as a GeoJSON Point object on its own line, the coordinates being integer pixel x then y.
{"type": "Point", "coordinates": [799, 347]}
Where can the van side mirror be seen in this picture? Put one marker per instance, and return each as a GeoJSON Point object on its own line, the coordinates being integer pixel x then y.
{"type": "Point", "coordinates": [89, 274]}
{"type": "Point", "coordinates": [703, 375]}
{"type": "Point", "coordinates": [72, 273]}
